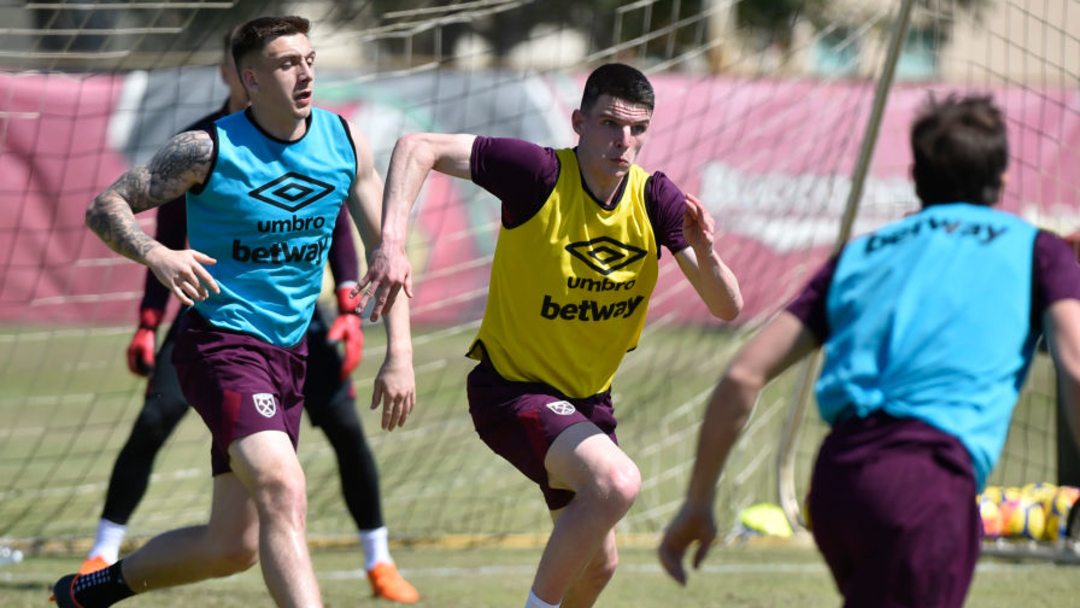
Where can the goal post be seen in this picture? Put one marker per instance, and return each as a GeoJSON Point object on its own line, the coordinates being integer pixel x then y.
{"type": "Point", "coordinates": [1039, 448]}
{"type": "Point", "coordinates": [787, 494]}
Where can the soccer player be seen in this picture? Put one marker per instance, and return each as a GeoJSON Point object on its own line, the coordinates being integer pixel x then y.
{"type": "Point", "coordinates": [264, 189]}
{"type": "Point", "coordinates": [928, 327]}
{"type": "Point", "coordinates": [328, 391]}
{"type": "Point", "coordinates": [575, 264]}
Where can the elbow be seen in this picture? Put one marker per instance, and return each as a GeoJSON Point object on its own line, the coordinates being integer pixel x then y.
{"type": "Point", "coordinates": [744, 380]}
{"type": "Point", "coordinates": [729, 309]}
{"type": "Point", "coordinates": [731, 404]}
{"type": "Point", "coordinates": [92, 217]}
{"type": "Point", "coordinates": [410, 141]}
{"type": "Point", "coordinates": [414, 145]}
{"type": "Point", "coordinates": [415, 154]}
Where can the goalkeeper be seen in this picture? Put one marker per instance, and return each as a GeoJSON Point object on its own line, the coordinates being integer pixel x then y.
{"type": "Point", "coordinates": [928, 327]}
{"type": "Point", "coordinates": [328, 392]}
{"type": "Point", "coordinates": [575, 265]}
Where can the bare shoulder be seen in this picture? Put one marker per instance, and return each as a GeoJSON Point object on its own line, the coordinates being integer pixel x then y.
{"type": "Point", "coordinates": [359, 139]}
{"type": "Point", "coordinates": [364, 156]}
{"type": "Point", "coordinates": [187, 151]}
{"type": "Point", "coordinates": [180, 164]}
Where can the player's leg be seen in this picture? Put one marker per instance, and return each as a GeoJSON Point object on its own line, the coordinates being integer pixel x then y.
{"type": "Point", "coordinates": [225, 546]}
{"type": "Point", "coordinates": [356, 464]}
{"type": "Point", "coordinates": [586, 587]}
{"type": "Point", "coordinates": [162, 410]}
{"type": "Point", "coordinates": [250, 395]}
{"type": "Point", "coordinates": [893, 506]}
{"type": "Point", "coordinates": [267, 465]}
{"type": "Point", "coordinates": [580, 557]}
{"type": "Point", "coordinates": [258, 513]}
{"type": "Point", "coordinates": [569, 448]}
{"type": "Point", "coordinates": [228, 544]}
{"type": "Point", "coordinates": [331, 406]}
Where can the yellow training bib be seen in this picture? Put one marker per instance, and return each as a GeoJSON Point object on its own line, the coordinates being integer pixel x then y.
{"type": "Point", "coordinates": [570, 287]}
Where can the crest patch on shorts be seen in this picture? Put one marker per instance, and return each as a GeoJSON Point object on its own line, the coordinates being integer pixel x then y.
{"type": "Point", "coordinates": [265, 404]}
{"type": "Point", "coordinates": [562, 408]}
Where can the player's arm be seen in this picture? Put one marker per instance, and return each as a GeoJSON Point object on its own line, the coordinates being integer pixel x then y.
{"type": "Point", "coordinates": [714, 282]}
{"type": "Point", "coordinates": [779, 345]}
{"type": "Point", "coordinates": [346, 327]}
{"type": "Point", "coordinates": [414, 157]}
{"type": "Point", "coordinates": [171, 232]}
{"type": "Point", "coordinates": [1057, 293]}
{"type": "Point", "coordinates": [1062, 323]}
{"type": "Point", "coordinates": [395, 384]}
{"type": "Point", "coordinates": [182, 163]}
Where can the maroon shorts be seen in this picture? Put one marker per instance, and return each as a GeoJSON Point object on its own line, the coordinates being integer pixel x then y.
{"type": "Point", "coordinates": [520, 420]}
{"type": "Point", "coordinates": [239, 384]}
{"type": "Point", "coordinates": [892, 504]}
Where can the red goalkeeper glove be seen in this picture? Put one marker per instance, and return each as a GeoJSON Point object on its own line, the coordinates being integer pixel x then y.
{"type": "Point", "coordinates": [140, 353]}
{"type": "Point", "coordinates": [346, 327]}
{"type": "Point", "coordinates": [1074, 240]}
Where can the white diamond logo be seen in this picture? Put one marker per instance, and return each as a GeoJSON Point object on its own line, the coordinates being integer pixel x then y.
{"type": "Point", "coordinates": [562, 408]}
{"type": "Point", "coordinates": [264, 403]}
{"type": "Point", "coordinates": [292, 191]}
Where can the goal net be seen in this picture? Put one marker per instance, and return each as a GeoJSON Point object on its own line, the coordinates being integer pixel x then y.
{"type": "Point", "coordinates": [771, 112]}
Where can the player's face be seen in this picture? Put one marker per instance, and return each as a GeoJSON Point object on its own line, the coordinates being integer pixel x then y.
{"type": "Point", "coordinates": [284, 74]}
{"type": "Point", "coordinates": [611, 135]}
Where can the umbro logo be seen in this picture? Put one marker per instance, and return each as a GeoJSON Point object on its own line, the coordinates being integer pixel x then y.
{"type": "Point", "coordinates": [264, 404]}
{"type": "Point", "coordinates": [562, 408]}
{"type": "Point", "coordinates": [604, 254]}
{"type": "Point", "coordinates": [292, 191]}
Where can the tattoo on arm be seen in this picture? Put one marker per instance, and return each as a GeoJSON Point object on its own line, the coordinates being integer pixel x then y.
{"type": "Point", "coordinates": [179, 165]}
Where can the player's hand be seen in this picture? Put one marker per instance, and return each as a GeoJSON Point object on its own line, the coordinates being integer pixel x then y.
{"type": "Point", "coordinates": [346, 328]}
{"type": "Point", "coordinates": [699, 228]}
{"type": "Point", "coordinates": [140, 353]}
{"type": "Point", "coordinates": [183, 273]}
{"type": "Point", "coordinates": [689, 526]}
{"type": "Point", "coordinates": [395, 387]}
{"type": "Point", "coordinates": [388, 272]}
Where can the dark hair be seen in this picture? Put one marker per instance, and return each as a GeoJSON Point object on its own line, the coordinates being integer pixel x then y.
{"type": "Point", "coordinates": [960, 150]}
{"type": "Point", "coordinates": [253, 36]}
{"type": "Point", "coordinates": [620, 81]}
{"type": "Point", "coordinates": [227, 42]}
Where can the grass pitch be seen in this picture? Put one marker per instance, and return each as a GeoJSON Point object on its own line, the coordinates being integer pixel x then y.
{"type": "Point", "coordinates": [492, 577]}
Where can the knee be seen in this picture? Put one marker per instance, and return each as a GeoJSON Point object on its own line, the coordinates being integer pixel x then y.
{"type": "Point", "coordinates": [237, 554]}
{"type": "Point", "coordinates": [283, 500]}
{"type": "Point", "coordinates": [240, 558]}
{"type": "Point", "coordinates": [620, 486]}
{"type": "Point", "coordinates": [616, 488]}
{"type": "Point", "coordinates": [157, 420]}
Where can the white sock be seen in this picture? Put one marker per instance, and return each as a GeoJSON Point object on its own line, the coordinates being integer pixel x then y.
{"type": "Point", "coordinates": [373, 542]}
{"type": "Point", "coordinates": [108, 539]}
{"type": "Point", "coordinates": [535, 602]}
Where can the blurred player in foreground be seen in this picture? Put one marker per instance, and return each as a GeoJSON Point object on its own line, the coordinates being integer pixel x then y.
{"type": "Point", "coordinates": [328, 391]}
{"type": "Point", "coordinates": [264, 190]}
{"type": "Point", "coordinates": [928, 326]}
{"type": "Point", "coordinates": [575, 265]}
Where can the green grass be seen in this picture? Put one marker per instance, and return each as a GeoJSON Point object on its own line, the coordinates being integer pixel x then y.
{"type": "Point", "coordinates": [67, 402]}
{"type": "Point", "coordinates": [483, 577]}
